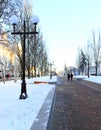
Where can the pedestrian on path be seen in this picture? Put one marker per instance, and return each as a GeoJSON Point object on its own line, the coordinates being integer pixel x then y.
{"type": "Point", "coordinates": [68, 76]}
{"type": "Point", "coordinates": [71, 75]}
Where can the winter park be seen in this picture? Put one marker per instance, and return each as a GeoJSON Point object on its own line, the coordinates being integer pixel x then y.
{"type": "Point", "coordinates": [50, 65]}
{"type": "Point", "coordinates": [18, 114]}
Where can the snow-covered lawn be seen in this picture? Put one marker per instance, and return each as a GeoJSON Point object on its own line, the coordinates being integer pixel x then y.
{"type": "Point", "coordinates": [18, 114]}
{"type": "Point", "coordinates": [96, 79]}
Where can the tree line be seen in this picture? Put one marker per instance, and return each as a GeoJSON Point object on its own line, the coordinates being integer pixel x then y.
{"type": "Point", "coordinates": [36, 51]}
{"type": "Point", "coordinates": [90, 55]}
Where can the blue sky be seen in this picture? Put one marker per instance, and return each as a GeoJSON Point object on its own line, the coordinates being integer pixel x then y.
{"type": "Point", "coordinates": [67, 24]}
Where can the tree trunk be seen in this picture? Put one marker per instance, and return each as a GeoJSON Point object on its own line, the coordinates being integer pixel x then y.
{"type": "Point", "coordinates": [96, 68]}
{"type": "Point", "coordinates": [35, 70]}
{"type": "Point", "coordinates": [28, 71]}
{"type": "Point", "coordinates": [88, 69]}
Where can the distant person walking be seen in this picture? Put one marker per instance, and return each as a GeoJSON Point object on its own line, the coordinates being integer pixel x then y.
{"type": "Point", "coordinates": [71, 75]}
{"type": "Point", "coordinates": [68, 76]}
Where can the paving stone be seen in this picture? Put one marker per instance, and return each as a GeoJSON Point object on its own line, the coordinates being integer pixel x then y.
{"type": "Point", "coordinates": [77, 106]}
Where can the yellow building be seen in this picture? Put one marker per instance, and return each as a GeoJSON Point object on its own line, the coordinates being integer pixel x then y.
{"type": "Point", "coordinates": [6, 55]}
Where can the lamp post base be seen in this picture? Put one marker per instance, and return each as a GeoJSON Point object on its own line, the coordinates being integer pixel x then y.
{"type": "Point", "coordinates": [23, 96]}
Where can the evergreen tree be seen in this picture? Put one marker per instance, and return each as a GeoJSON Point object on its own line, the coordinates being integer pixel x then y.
{"type": "Point", "coordinates": [83, 61]}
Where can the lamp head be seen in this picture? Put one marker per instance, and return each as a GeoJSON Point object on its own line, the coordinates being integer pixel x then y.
{"type": "Point", "coordinates": [13, 20]}
{"type": "Point", "coordinates": [35, 19]}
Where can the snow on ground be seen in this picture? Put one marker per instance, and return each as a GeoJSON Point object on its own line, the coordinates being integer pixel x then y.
{"type": "Point", "coordinates": [18, 114]}
{"type": "Point", "coordinates": [96, 79]}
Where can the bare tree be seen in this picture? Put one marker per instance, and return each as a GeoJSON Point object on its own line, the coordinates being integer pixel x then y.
{"type": "Point", "coordinates": [24, 14]}
{"type": "Point", "coordinates": [34, 43]}
{"type": "Point", "coordinates": [96, 45]}
{"type": "Point", "coordinates": [3, 4]}
{"type": "Point", "coordinates": [39, 55]}
{"type": "Point", "coordinates": [88, 53]}
{"type": "Point", "coordinates": [29, 27]}
{"type": "Point", "coordinates": [78, 60]}
{"type": "Point", "coordinates": [15, 46]}
{"type": "Point", "coordinates": [8, 8]}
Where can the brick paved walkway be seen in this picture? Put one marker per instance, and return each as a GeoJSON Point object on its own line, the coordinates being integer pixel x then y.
{"type": "Point", "coordinates": [77, 106]}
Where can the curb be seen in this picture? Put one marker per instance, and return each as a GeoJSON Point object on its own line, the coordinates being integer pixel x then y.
{"type": "Point", "coordinates": [51, 110]}
{"type": "Point", "coordinates": [42, 119]}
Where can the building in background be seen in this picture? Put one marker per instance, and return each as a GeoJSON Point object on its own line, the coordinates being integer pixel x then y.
{"type": "Point", "coordinates": [6, 56]}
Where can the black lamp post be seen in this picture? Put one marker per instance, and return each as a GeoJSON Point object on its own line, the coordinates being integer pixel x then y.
{"type": "Point", "coordinates": [50, 64]}
{"type": "Point", "coordinates": [14, 21]}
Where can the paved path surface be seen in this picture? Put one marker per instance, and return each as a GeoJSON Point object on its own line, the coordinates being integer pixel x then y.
{"type": "Point", "coordinates": [77, 106]}
{"type": "Point", "coordinates": [41, 120]}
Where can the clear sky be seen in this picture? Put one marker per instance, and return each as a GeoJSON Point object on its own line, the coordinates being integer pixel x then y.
{"type": "Point", "coordinates": [67, 24]}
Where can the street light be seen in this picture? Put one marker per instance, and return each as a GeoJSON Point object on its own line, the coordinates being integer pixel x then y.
{"type": "Point", "coordinates": [51, 64]}
{"type": "Point", "coordinates": [14, 22]}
